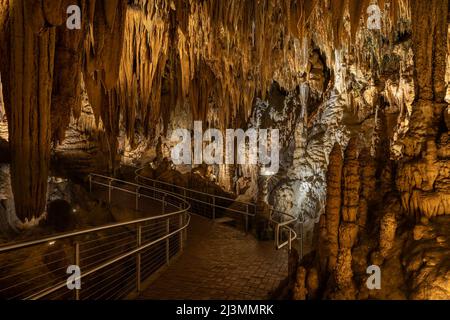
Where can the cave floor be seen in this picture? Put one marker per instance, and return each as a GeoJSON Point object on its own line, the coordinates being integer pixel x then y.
{"type": "Point", "coordinates": [220, 263]}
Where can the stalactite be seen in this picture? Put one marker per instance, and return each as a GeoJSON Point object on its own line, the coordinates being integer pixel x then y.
{"type": "Point", "coordinates": [4, 51]}
{"type": "Point", "coordinates": [189, 43]}
{"type": "Point", "coordinates": [430, 51]}
{"type": "Point", "coordinates": [66, 94]}
{"type": "Point", "coordinates": [29, 86]}
{"type": "Point", "coordinates": [38, 105]}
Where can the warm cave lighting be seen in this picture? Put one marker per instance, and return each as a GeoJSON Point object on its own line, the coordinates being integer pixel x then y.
{"type": "Point", "coordinates": [233, 151]}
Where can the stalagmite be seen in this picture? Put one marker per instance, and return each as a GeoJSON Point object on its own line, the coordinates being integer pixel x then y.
{"type": "Point", "coordinates": [368, 186]}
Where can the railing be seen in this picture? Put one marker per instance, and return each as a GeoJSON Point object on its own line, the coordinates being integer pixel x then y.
{"type": "Point", "coordinates": [113, 260]}
{"type": "Point", "coordinates": [282, 222]}
{"type": "Point", "coordinates": [205, 204]}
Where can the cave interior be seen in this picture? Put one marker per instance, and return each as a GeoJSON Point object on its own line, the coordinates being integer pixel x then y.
{"type": "Point", "coordinates": [358, 91]}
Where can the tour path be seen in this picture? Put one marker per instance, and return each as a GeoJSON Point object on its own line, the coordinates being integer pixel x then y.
{"type": "Point", "coordinates": [220, 263]}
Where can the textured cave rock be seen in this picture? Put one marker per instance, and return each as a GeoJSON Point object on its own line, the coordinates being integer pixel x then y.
{"type": "Point", "coordinates": [36, 46]}
{"type": "Point", "coordinates": [66, 90]}
{"type": "Point", "coordinates": [423, 193]}
{"type": "Point", "coordinates": [400, 201]}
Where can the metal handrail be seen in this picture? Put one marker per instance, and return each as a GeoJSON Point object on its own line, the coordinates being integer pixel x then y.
{"type": "Point", "coordinates": [280, 226]}
{"type": "Point", "coordinates": [165, 198]}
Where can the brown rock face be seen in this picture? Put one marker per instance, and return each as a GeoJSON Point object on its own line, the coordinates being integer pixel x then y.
{"type": "Point", "coordinates": [66, 92]}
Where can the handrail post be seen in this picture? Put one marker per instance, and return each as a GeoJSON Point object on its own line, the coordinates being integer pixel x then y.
{"type": "Point", "coordinates": [214, 208]}
{"type": "Point", "coordinates": [77, 263]}
{"type": "Point", "coordinates": [301, 239]}
{"type": "Point", "coordinates": [90, 183]}
{"type": "Point", "coordinates": [168, 242]}
{"type": "Point", "coordinates": [181, 231]}
{"type": "Point", "coordinates": [277, 236]}
{"type": "Point", "coordinates": [138, 258]}
{"type": "Point", "coordinates": [246, 218]}
{"type": "Point", "coordinates": [137, 197]}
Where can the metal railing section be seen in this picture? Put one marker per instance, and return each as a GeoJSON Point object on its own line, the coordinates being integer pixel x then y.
{"type": "Point", "coordinates": [283, 223]}
{"type": "Point", "coordinates": [209, 205]}
{"type": "Point", "coordinates": [114, 259]}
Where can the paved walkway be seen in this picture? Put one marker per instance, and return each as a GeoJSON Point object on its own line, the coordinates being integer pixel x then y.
{"type": "Point", "coordinates": [220, 263]}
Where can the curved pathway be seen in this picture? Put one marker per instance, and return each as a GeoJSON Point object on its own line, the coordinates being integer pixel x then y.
{"type": "Point", "coordinates": [218, 262]}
